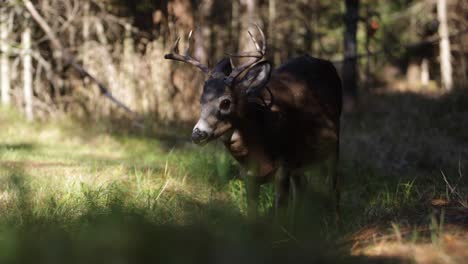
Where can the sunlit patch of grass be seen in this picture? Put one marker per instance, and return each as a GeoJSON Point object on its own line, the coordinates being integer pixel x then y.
{"type": "Point", "coordinates": [236, 189]}
{"type": "Point", "coordinates": [69, 173]}
{"type": "Point", "coordinates": [434, 242]}
{"type": "Point", "coordinates": [428, 220]}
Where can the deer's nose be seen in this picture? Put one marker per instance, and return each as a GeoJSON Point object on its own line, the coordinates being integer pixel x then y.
{"type": "Point", "coordinates": [199, 136]}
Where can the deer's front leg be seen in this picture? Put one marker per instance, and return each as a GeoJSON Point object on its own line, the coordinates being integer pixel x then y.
{"type": "Point", "coordinates": [330, 170]}
{"type": "Point", "coordinates": [281, 195]}
{"type": "Point", "coordinates": [335, 174]}
{"type": "Point", "coordinates": [298, 188]}
{"type": "Point", "coordinates": [253, 192]}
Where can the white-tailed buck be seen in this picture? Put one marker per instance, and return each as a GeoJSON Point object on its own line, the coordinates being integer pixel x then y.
{"type": "Point", "coordinates": [275, 123]}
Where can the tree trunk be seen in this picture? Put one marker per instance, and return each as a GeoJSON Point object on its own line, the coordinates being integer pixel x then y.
{"type": "Point", "coordinates": [86, 33]}
{"type": "Point", "coordinates": [425, 72]}
{"type": "Point", "coordinates": [413, 74]}
{"type": "Point", "coordinates": [368, 52]}
{"type": "Point", "coordinates": [248, 21]}
{"type": "Point", "coordinates": [4, 61]}
{"type": "Point", "coordinates": [299, 28]}
{"type": "Point", "coordinates": [349, 70]}
{"type": "Point", "coordinates": [314, 26]}
{"type": "Point", "coordinates": [27, 73]}
{"type": "Point", "coordinates": [462, 62]}
{"type": "Point", "coordinates": [272, 33]}
{"type": "Point", "coordinates": [445, 63]}
{"type": "Point", "coordinates": [162, 80]}
{"type": "Point", "coordinates": [207, 39]}
{"type": "Point", "coordinates": [128, 92]}
{"type": "Point", "coordinates": [235, 26]}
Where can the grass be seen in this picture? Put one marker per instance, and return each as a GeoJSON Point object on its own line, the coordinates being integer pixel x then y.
{"type": "Point", "coordinates": [402, 152]}
{"type": "Point", "coordinates": [91, 193]}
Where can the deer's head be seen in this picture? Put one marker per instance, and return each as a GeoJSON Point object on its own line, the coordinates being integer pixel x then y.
{"type": "Point", "coordinates": [226, 89]}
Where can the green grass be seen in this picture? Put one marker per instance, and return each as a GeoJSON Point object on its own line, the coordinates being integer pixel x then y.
{"type": "Point", "coordinates": [92, 193]}
{"type": "Point", "coordinates": [47, 164]}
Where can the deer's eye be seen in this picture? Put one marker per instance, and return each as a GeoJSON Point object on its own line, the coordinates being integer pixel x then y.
{"type": "Point", "coordinates": [225, 104]}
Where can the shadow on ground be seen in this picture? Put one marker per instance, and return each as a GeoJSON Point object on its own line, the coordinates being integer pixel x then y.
{"type": "Point", "coordinates": [118, 233]}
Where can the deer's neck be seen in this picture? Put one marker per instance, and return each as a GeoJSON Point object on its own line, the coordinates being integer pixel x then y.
{"type": "Point", "coordinates": [250, 146]}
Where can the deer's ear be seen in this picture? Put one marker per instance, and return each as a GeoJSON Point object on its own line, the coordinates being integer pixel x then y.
{"type": "Point", "coordinates": [223, 67]}
{"type": "Point", "coordinates": [255, 78]}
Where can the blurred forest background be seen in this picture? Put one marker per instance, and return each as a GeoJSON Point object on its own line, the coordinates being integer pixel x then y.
{"type": "Point", "coordinates": [80, 184]}
{"type": "Point", "coordinates": [391, 44]}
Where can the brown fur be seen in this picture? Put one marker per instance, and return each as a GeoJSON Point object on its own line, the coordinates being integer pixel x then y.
{"type": "Point", "coordinates": [299, 129]}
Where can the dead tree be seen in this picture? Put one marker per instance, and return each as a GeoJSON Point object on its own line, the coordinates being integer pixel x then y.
{"type": "Point", "coordinates": [27, 72]}
{"type": "Point", "coordinates": [4, 53]}
{"type": "Point", "coordinates": [349, 70]}
{"type": "Point", "coordinates": [445, 57]}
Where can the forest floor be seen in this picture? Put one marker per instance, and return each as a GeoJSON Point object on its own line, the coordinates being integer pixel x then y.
{"type": "Point", "coordinates": [74, 192]}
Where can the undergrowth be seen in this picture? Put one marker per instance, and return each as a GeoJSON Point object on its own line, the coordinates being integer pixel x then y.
{"type": "Point", "coordinates": [82, 193]}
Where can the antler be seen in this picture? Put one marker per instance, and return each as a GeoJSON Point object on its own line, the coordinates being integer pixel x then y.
{"type": "Point", "coordinates": [258, 56]}
{"type": "Point", "coordinates": [174, 55]}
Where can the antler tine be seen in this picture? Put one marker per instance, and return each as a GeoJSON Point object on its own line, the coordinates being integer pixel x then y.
{"type": "Point", "coordinates": [257, 47]}
{"type": "Point", "coordinates": [264, 46]}
{"type": "Point", "coordinates": [175, 47]}
{"type": "Point", "coordinates": [188, 43]}
{"type": "Point", "coordinates": [261, 51]}
{"type": "Point", "coordinates": [175, 55]}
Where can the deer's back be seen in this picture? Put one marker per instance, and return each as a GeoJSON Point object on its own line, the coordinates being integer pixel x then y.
{"type": "Point", "coordinates": [306, 81]}
{"type": "Point", "coordinates": [308, 96]}
{"type": "Point", "coordinates": [303, 124]}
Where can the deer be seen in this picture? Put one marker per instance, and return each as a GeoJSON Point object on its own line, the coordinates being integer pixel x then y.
{"type": "Point", "coordinates": [275, 123]}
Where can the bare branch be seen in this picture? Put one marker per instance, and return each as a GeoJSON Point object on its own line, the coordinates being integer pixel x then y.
{"type": "Point", "coordinates": [69, 59]}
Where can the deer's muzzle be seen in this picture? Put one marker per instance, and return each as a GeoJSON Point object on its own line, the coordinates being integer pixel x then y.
{"type": "Point", "coordinates": [198, 136]}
